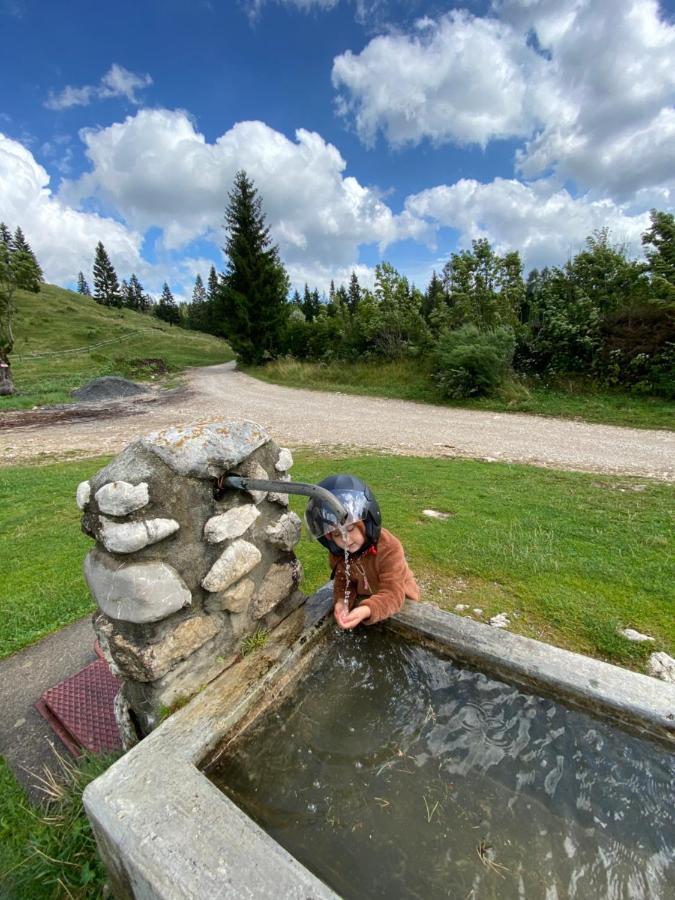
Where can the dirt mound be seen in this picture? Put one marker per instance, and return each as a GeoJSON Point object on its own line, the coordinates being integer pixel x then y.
{"type": "Point", "coordinates": [110, 387]}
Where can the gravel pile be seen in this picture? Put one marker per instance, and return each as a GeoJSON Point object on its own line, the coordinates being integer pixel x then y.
{"type": "Point", "coordinates": [110, 387]}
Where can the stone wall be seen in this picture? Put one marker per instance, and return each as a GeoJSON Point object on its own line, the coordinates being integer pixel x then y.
{"type": "Point", "coordinates": [182, 573]}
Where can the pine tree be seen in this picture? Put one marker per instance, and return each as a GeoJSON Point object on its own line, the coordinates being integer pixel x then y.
{"type": "Point", "coordinates": [354, 293]}
{"type": "Point", "coordinates": [212, 291]}
{"type": "Point", "coordinates": [82, 286]}
{"type": "Point", "coordinates": [106, 286]}
{"type": "Point", "coordinates": [167, 308]}
{"type": "Point", "coordinates": [5, 235]}
{"type": "Point", "coordinates": [251, 306]}
{"type": "Point", "coordinates": [135, 297]}
{"type": "Point", "coordinates": [27, 270]}
{"type": "Point", "coordinates": [198, 309]}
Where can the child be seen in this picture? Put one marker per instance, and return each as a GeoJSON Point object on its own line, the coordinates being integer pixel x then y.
{"type": "Point", "coordinates": [379, 576]}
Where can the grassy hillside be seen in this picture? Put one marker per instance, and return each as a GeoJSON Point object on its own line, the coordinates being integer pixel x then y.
{"type": "Point", "coordinates": [56, 320]}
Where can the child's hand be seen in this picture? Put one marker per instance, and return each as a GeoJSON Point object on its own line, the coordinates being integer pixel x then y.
{"type": "Point", "coordinates": [353, 618]}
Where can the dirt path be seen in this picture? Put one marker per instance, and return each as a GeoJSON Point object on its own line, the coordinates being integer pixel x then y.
{"type": "Point", "coordinates": [311, 418]}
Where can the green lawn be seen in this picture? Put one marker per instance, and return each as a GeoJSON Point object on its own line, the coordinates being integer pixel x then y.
{"type": "Point", "coordinates": [50, 854]}
{"type": "Point", "coordinates": [411, 380]}
{"type": "Point", "coordinates": [59, 320]}
{"type": "Point", "coordinates": [571, 556]}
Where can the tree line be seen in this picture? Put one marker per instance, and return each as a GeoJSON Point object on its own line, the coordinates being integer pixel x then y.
{"type": "Point", "coordinates": [478, 322]}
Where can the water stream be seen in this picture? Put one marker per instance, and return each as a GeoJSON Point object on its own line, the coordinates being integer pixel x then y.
{"type": "Point", "coordinates": [391, 772]}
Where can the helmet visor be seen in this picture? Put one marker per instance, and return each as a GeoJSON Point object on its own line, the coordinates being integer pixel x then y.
{"type": "Point", "coordinates": [321, 519]}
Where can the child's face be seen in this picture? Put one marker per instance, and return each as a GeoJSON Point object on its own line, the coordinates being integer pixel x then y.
{"type": "Point", "coordinates": [355, 538]}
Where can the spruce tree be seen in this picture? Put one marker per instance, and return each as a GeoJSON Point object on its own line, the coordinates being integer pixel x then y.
{"type": "Point", "coordinates": [354, 293]}
{"type": "Point", "coordinates": [167, 308]}
{"type": "Point", "coordinates": [82, 286]}
{"type": "Point", "coordinates": [106, 286]}
{"type": "Point", "coordinates": [135, 298]}
{"type": "Point", "coordinates": [27, 270]}
{"type": "Point", "coordinates": [198, 309]}
{"type": "Point", "coordinates": [251, 306]}
{"type": "Point", "coordinates": [5, 235]}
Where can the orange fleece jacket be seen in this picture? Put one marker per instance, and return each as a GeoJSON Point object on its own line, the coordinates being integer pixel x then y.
{"type": "Point", "coordinates": [382, 579]}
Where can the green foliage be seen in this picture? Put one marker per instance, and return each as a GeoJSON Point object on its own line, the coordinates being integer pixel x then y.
{"type": "Point", "coordinates": [659, 243]}
{"type": "Point", "coordinates": [469, 362]}
{"type": "Point", "coordinates": [482, 288]}
{"type": "Point", "coordinates": [106, 286]}
{"type": "Point", "coordinates": [250, 306]}
{"type": "Point", "coordinates": [50, 853]}
{"type": "Point", "coordinates": [167, 308]}
{"type": "Point", "coordinates": [82, 286]}
{"type": "Point", "coordinates": [254, 641]}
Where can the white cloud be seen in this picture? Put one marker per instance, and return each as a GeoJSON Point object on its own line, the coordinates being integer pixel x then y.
{"type": "Point", "coordinates": [62, 238]}
{"type": "Point", "coordinates": [155, 170]}
{"type": "Point", "coordinates": [591, 95]}
{"type": "Point", "coordinates": [541, 220]}
{"type": "Point", "coordinates": [461, 79]}
{"type": "Point", "coordinates": [117, 82]}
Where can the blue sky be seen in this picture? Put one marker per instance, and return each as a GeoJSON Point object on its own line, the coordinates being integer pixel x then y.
{"type": "Point", "coordinates": [374, 129]}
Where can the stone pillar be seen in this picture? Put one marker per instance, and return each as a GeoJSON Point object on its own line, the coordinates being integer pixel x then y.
{"type": "Point", "coordinates": [182, 573]}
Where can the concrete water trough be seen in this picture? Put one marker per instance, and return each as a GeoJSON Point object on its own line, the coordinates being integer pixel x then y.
{"type": "Point", "coordinates": [164, 830]}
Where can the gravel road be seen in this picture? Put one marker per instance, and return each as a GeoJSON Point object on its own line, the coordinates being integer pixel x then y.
{"type": "Point", "coordinates": [303, 418]}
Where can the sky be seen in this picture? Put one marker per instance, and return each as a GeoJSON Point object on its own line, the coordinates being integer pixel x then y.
{"type": "Point", "coordinates": [374, 130]}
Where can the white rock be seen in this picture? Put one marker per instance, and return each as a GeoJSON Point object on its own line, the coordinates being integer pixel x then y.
{"type": "Point", "coordinates": [501, 620]}
{"type": "Point", "coordinates": [236, 561]}
{"type": "Point", "coordinates": [633, 635]}
{"type": "Point", "coordinates": [206, 451]}
{"type": "Point", "coordinates": [477, 611]}
{"type": "Point", "coordinates": [234, 600]}
{"type": "Point", "coordinates": [281, 499]}
{"type": "Point", "coordinates": [255, 470]}
{"type": "Point", "coordinates": [119, 498]}
{"type": "Point", "coordinates": [135, 592]}
{"type": "Point", "coordinates": [127, 537]}
{"type": "Point", "coordinates": [284, 461]}
{"type": "Point", "coordinates": [230, 524]}
{"type": "Point", "coordinates": [285, 533]}
{"type": "Point", "coordinates": [662, 666]}
{"type": "Point", "coordinates": [460, 607]}
{"type": "Point", "coordinates": [83, 494]}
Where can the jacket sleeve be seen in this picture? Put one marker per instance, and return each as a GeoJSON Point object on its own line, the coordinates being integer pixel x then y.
{"type": "Point", "coordinates": [392, 570]}
{"type": "Point", "coordinates": [337, 565]}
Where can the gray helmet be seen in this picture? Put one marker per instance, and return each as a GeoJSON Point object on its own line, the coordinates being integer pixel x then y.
{"type": "Point", "coordinates": [357, 499]}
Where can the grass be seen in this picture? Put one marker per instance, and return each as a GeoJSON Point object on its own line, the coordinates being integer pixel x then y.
{"type": "Point", "coordinates": [254, 641]}
{"type": "Point", "coordinates": [411, 380]}
{"type": "Point", "coordinates": [49, 852]}
{"type": "Point", "coordinates": [571, 557]}
{"type": "Point", "coordinates": [58, 320]}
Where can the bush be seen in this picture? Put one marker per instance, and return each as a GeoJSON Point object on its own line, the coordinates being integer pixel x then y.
{"type": "Point", "coordinates": [472, 363]}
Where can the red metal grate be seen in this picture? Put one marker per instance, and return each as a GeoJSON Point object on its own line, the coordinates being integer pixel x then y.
{"type": "Point", "coordinates": [81, 712]}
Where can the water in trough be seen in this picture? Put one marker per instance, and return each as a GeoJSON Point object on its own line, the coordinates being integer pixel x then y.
{"type": "Point", "coordinates": [393, 772]}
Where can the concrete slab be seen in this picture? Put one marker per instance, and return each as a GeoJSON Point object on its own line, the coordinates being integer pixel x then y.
{"type": "Point", "coordinates": [26, 740]}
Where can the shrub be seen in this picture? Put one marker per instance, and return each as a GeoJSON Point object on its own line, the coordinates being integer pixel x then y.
{"type": "Point", "coordinates": [472, 363]}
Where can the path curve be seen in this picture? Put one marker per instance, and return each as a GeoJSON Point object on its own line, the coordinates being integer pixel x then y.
{"type": "Point", "coordinates": [317, 419]}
